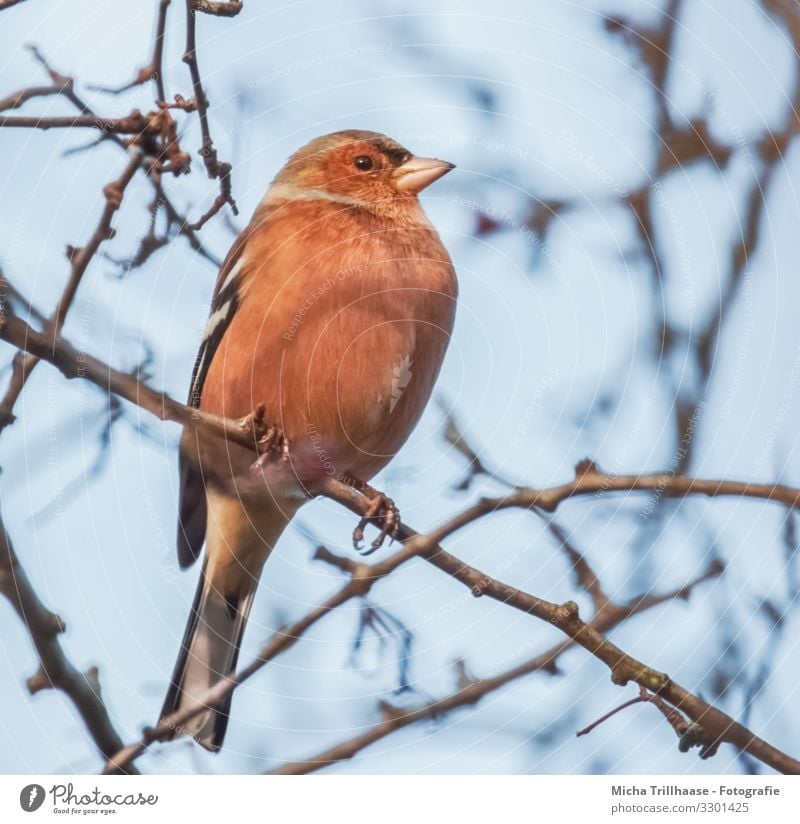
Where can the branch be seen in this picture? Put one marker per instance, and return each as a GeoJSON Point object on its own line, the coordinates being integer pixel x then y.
{"type": "Point", "coordinates": [160, 124]}
{"type": "Point", "coordinates": [16, 296]}
{"type": "Point", "coordinates": [19, 98]}
{"type": "Point", "coordinates": [624, 668]}
{"type": "Point", "coordinates": [218, 8]}
{"type": "Point", "coordinates": [134, 123]}
{"type": "Point", "coordinates": [61, 84]}
{"type": "Point", "coordinates": [472, 692]}
{"type": "Point", "coordinates": [74, 364]}
{"type": "Point", "coordinates": [585, 576]}
{"type": "Point", "coordinates": [716, 725]}
{"type": "Point", "coordinates": [454, 435]}
{"type": "Point", "coordinates": [689, 735]}
{"type": "Point", "coordinates": [186, 229]}
{"type": "Point", "coordinates": [216, 169]}
{"type": "Point", "coordinates": [79, 261]}
{"type": "Point", "coordinates": [56, 671]}
{"type": "Point", "coordinates": [154, 70]}
{"type": "Point", "coordinates": [66, 86]}
{"type": "Point", "coordinates": [362, 579]}
{"type": "Point", "coordinates": [57, 351]}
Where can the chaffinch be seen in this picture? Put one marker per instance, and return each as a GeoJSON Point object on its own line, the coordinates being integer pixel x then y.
{"type": "Point", "coordinates": [333, 310]}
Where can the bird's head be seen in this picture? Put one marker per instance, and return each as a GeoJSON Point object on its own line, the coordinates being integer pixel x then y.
{"type": "Point", "coordinates": [360, 166]}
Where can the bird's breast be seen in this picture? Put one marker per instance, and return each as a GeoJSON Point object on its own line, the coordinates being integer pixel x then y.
{"type": "Point", "coordinates": [343, 333]}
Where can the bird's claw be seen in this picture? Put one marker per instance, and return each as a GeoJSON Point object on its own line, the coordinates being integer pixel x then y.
{"type": "Point", "coordinates": [383, 512]}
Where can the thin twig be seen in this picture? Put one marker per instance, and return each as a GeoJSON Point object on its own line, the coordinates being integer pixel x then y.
{"type": "Point", "coordinates": [19, 98]}
{"type": "Point", "coordinates": [79, 258]}
{"type": "Point", "coordinates": [134, 123]}
{"type": "Point", "coordinates": [9, 291]}
{"type": "Point", "coordinates": [586, 577]}
{"type": "Point", "coordinates": [66, 85]}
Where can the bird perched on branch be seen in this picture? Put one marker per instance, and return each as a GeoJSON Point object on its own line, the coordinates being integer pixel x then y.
{"type": "Point", "coordinates": [330, 319]}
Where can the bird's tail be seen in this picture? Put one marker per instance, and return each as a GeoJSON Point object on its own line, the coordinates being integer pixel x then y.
{"type": "Point", "coordinates": [209, 652]}
{"type": "Point", "coordinates": [238, 543]}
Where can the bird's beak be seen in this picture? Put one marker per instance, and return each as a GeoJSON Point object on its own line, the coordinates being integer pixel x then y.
{"type": "Point", "coordinates": [418, 172]}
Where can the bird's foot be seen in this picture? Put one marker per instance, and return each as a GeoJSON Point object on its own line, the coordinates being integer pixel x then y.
{"type": "Point", "coordinates": [382, 512]}
{"type": "Point", "coordinates": [271, 443]}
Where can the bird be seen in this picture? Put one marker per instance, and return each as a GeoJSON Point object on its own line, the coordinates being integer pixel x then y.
{"type": "Point", "coordinates": [329, 323]}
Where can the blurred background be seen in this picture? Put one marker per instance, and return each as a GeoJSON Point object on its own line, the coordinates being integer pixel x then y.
{"type": "Point", "coordinates": [624, 225]}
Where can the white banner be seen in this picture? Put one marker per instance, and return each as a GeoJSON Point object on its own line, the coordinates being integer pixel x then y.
{"type": "Point", "coordinates": [395, 799]}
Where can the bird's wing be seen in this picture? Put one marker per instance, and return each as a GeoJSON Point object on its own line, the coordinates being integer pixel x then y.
{"type": "Point", "coordinates": [225, 302]}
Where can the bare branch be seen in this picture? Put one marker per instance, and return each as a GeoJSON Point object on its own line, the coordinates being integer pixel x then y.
{"type": "Point", "coordinates": [717, 726]}
{"type": "Point", "coordinates": [588, 479]}
{"type": "Point", "coordinates": [66, 85]}
{"type": "Point", "coordinates": [471, 692]}
{"type": "Point", "coordinates": [584, 574]}
{"type": "Point", "coordinates": [689, 735]}
{"type": "Point", "coordinates": [218, 8]}
{"type": "Point", "coordinates": [134, 123]}
{"type": "Point", "coordinates": [595, 482]}
{"type": "Point", "coordinates": [565, 616]}
{"type": "Point", "coordinates": [19, 98]}
{"type": "Point", "coordinates": [74, 364]}
{"type": "Point", "coordinates": [154, 70]}
{"type": "Point", "coordinates": [360, 583]}
{"type": "Point", "coordinates": [611, 713]}
{"type": "Point", "coordinates": [454, 435]}
{"type": "Point", "coordinates": [184, 228]}
{"type": "Point", "coordinates": [15, 295]}
{"type": "Point", "coordinates": [216, 169]}
{"type": "Point", "coordinates": [79, 261]}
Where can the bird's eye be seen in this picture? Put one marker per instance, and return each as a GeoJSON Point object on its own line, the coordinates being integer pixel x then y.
{"type": "Point", "coordinates": [363, 163]}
